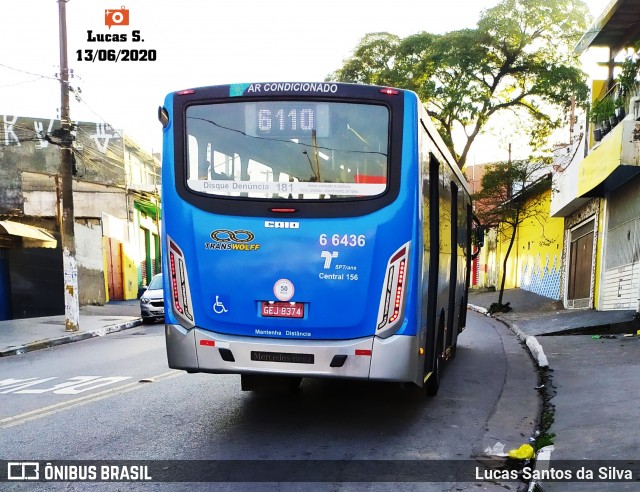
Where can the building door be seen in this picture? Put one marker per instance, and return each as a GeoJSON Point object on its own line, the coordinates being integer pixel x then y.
{"type": "Point", "coordinates": [580, 266]}
{"type": "Point", "coordinates": [114, 269]}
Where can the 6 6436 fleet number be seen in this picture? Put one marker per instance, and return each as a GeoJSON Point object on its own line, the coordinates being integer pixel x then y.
{"type": "Point", "coordinates": [351, 240]}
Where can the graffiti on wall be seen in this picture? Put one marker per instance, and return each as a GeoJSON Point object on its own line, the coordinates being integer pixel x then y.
{"type": "Point", "coordinates": [32, 145]}
{"type": "Point", "coordinates": [18, 130]}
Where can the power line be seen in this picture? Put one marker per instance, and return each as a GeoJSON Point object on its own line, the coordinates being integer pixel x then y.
{"type": "Point", "coordinates": [75, 90]}
{"type": "Point", "coordinates": [80, 99]}
{"type": "Point", "coordinates": [23, 82]}
{"type": "Point", "coordinates": [28, 73]}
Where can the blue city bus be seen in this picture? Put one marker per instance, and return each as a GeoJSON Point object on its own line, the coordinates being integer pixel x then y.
{"type": "Point", "coordinates": [311, 230]}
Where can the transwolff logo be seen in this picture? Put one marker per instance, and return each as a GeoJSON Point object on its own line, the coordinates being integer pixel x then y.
{"type": "Point", "coordinates": [227, 240]}
{"type": "Point", "coordinates": [227, 236]}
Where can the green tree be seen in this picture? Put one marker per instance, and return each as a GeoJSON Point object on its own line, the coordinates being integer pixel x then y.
{"type": "Point", "coordinates": [519, 58]}
{"type": "Point", "coordinates": [511, 194]}
{"type": "Point", "coordinates": [372, 61]}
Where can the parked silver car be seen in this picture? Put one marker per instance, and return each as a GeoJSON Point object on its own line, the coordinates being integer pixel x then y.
{"type": "Point", "coordinates": [152, 301]}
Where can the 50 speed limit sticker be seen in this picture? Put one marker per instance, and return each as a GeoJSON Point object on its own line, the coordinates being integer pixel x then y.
{"type": "Point", "coordinates": [283, 289]}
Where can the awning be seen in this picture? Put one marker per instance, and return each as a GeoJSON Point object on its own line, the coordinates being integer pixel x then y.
{"type": "Point", "coordinates": [148, 208]}
{"type": "Point", "coordinates": [29, 232]}
{"type": "Point", "coordinates": [600, 163]}
{"type": "Point", "coordinates": [616, 28]}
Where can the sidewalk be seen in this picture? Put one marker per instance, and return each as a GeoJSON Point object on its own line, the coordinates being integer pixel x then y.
{"type": "Point", "coordinates": [24, 335]}
{"type": "Point", "coordinates": [539, 315]}
{"type": "Point", "coordinates": [594, 405]}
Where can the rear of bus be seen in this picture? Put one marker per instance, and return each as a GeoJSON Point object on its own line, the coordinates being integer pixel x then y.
{"type": "Point", "coordinates": [292, 231]}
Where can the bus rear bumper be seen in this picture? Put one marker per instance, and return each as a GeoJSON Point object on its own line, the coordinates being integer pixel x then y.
{"type": "Point", "coordinates": [197, 350]}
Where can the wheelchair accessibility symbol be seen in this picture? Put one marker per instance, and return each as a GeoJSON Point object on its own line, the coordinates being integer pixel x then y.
{"type": "Point", "coordinates": [218, 306]}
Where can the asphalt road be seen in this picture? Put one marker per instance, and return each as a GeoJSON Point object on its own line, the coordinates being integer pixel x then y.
{"type": "Point", "coordinates": [115, 398]}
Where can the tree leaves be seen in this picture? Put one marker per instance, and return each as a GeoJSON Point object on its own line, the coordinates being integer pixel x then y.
{"type": "Point", "coordinates": [520, 57]}
{"type": "Point", "coordinates": [510, 192]}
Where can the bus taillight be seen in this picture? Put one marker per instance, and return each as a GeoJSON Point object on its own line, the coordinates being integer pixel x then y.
{"type": "Point", "coordinates": [399, 291]}
{"type": "Point", "coordinates": [180, 292]}
{"type": "Point", "coordinates": [393, 292]}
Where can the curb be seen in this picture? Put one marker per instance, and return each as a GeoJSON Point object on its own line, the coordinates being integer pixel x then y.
{"type": "Point", "coordinates": [478, 309]}
{"type": "Point", "coordinates": [532, 343]}
{"type": "Point", "coordinates": [536, 351]}
{"type": "Point", "coordinates": [76, 337]}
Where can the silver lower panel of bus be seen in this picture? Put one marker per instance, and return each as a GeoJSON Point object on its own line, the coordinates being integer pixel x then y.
{"type": "Point", "coordinates": [196, 350]}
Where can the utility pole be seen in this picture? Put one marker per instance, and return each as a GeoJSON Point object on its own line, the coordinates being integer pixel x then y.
{"type": "Point", "coordinates": [71, 305]}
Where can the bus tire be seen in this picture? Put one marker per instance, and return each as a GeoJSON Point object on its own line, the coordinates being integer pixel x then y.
{"type": "Point", "coordinates": [454, 347]}
{"type": "Point", "coordinates": [432, 385]}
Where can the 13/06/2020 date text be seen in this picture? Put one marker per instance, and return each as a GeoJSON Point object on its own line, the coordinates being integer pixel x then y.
{"type": "Point", "coordinates": [123, 55]}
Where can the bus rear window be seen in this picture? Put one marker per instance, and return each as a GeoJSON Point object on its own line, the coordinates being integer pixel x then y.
{"type": "Point", "coordinates": [296, 150]}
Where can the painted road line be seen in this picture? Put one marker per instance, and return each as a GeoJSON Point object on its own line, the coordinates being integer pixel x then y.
{"type": "Point", "coordinates": [83, 400]}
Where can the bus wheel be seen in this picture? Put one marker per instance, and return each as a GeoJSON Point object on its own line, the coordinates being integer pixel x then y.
{"type": "Point", "coordinates": [454, 350]}
{"type": "Point", "coordinates": [432, 385]}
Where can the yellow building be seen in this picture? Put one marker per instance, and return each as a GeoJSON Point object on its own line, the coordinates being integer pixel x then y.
{"type": "Point", "coordinates": [535, 259]}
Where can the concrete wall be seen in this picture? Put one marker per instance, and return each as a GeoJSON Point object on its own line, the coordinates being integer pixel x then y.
{"type": "Point", "coordinates": [535, 260]}
{"type": "Point", "coordinates": [91, 285]}
{"type": "Point", "coordinates": [90, 200]}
